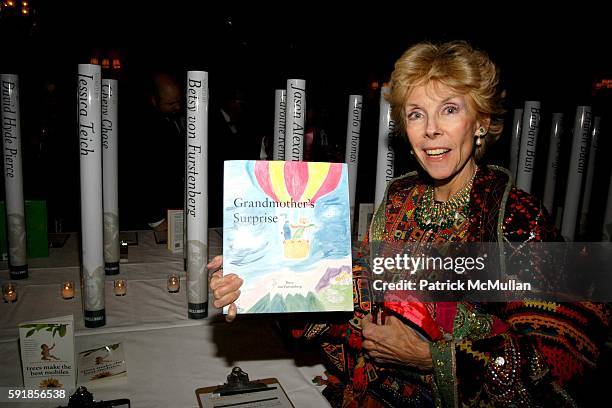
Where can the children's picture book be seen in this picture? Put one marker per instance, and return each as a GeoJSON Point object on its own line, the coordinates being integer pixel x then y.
{"type": "Point", "coordinates": [286, 233]}
{"type": "Point", "coordinates": [175, 230]}
{"type": "Point", "coordinates": [47, 353]}
{"type": "Point", "coordinates": [101, 364]}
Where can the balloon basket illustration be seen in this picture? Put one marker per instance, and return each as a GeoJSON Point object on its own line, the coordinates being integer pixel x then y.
{"type": "Point", "coordinates": [298, 184]}
{"type": "Point", "coordinates": [296, 248]}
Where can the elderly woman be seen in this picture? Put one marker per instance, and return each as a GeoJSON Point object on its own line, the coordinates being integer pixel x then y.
{"type": "Point", "coordinates": [446, 98]}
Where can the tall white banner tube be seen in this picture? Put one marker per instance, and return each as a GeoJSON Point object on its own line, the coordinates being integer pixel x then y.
{"type": "Point", "coordinates": [295, 120]}
{"type": "Point", "coordinates": [197, 194]}
{"type": "Point", "coordinates": [527, 151]}
{"type": "Point", "coordinates": [351, 155]}
{"type": "Point", "coordinates": [110, 174]}
{"type": "Point", "coordinates": [515, 143]}
{"type": "Point", "coordinates": [90, 152]}
{"type": "Point", "coordinates": [552, 166]}
{"type": "Point", "coordinates": [386, 157]}
{"type": "Point", "coordinates": [13, 175]}
{"type": "Point", "coordinates": [280, 115]}
{"type": "Point", "coordinates": [577, 168]}
{"type": "Point", "coordinates": [590, 176]}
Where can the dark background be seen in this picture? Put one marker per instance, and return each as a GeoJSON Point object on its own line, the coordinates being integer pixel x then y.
{"type": "Point", "coordinates": [554, 57]}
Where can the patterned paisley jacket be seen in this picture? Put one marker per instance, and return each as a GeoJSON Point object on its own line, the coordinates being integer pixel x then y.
{"type": "Point", "coordinates": [495, 354]}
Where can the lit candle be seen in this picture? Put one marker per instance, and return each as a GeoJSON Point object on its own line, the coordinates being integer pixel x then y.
{"type": "Point", "coordinates": [68, 290]}
{"type": "Point", "coordinates": [9, 292]}
{"type": "Point", "coordinates": [174, 283]}
{"type": "Point", "coordinates": [120, 287]}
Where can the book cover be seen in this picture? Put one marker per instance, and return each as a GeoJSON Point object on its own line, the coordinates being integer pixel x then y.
{"type": "Point", "coordinates": [286, 233]}
{"type": "Point", "coordinates": [175, 236]}
{"type": "Point", "coordinates": [47, 353]}
{"type": "Point", "coordinates": [101, 363]}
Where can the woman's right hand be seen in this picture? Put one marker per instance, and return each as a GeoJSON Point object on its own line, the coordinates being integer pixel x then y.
{"type": "Point", "coordinates": [225, 289]}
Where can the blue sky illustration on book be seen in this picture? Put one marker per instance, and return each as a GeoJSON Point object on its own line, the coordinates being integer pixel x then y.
{"type": "Point", "coordinates": [286, 232]}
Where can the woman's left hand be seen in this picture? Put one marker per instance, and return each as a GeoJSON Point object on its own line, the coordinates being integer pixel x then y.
{"type": "Point", "coordinates": [395, 343]}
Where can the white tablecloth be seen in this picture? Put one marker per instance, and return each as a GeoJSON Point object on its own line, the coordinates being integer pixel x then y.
{"type": "Point", "coordinates": [147, 305]}
{"type": "Point", "coordinates": [168, 355]}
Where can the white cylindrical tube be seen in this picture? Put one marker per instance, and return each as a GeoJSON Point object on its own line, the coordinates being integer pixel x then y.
{"type": "Point", "coordinates": [184, 207]}
{"type": "Point", "coordinates": [110, 174]}
{"type": "Point", "coordinates": [552, 166]}
{"type": "Point", "coordinates": [527, 151]}
{"type": "Point", "coordinates": [13, 176]}
{"type": "Point", "coordinates": [295, 120]}
{"type": "Point", "coordinates": [196, 185]}
{"type": "Point", "coordinates": [385, 159]}
{"type": "Point", "coordinates": [590, 175]}
{"type": "Point", "coordinates": [280, 115]}
{"type": "Point", "coordinates": [577, 167]}
{"type": "Point", "coordinates": [90, 152]}
{"type": "Point", "coordinates": [515, 143]}
{"type": "Point", "coordinates": [351, 155]}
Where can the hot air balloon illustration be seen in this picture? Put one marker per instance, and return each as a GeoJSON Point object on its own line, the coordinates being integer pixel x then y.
{"type": "Point", "coordinates": [297, 182]}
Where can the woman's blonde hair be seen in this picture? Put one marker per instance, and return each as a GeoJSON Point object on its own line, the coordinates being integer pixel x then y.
{"type": "Point", "coordinates": [457, 65]}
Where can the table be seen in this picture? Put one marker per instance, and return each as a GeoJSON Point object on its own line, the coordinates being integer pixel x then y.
{"type": "Point", "coordinates": [168, 355]}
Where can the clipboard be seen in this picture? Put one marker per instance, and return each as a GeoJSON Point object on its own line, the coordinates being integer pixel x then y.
{"type": "Point", "coordinates": [239, 392]}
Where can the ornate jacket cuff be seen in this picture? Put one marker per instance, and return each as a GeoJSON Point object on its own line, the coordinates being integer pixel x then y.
{"type": "Point", "coordinates": [444, 373]}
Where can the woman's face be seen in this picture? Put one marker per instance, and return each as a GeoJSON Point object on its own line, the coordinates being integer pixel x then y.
{"type": "Point", "coordinates": [441, 126]}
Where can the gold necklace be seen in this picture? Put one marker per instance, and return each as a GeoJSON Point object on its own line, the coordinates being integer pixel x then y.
{"type": "Point", "coordinates": [434, 215]}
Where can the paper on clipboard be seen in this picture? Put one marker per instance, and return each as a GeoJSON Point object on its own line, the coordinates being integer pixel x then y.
{"type": "Point", "coordinates": [240, 392]}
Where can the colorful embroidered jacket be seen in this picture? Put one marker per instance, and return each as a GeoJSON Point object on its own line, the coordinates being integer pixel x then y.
{"type": "Point", "coordinates": [493, 354]}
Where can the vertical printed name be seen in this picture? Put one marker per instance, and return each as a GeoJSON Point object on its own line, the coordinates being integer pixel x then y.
{"type": "Point", "coordinates": [194, 146]}
{"type": "Point", "coordinates": [584, 141]}
{"type": "Point", "coordinates": [296, 104]}
{"type": "Point", "coordinates": [107, 124]}
{"type": "Point", "coordinates": [86, 129]}
{"type": "Point", "coordinates": [532, 134]}
{"type": "Point", "coordinates": [280, 122]}
{"type": "Point", "coordinates": [390, 156]}
{"type": "Point", "coordinates": [9, 129]}
{"type": "Point", "coordinates": [355, 124]}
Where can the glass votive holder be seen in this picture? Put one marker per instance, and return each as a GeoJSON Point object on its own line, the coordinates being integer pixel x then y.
{"type": "Point", "coordinates": [120, 287]}
{"type": "Point", "coordinates": [174, 283]}
{"type": "Point", "coordinates": [9, 292]}
{"type": "Point", "coordinates": [68, 290]}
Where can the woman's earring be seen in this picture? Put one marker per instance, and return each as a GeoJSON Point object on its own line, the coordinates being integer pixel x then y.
{"type": "Point", "coordinates": [411, 152]}
{"type": "Point", "coordinates": [482, 131]}
{"type": "Point", "coordinates": [478, 141]}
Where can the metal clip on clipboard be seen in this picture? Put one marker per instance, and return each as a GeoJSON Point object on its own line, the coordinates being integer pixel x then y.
{"type": "Point", "coordinates": [238, 383]}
